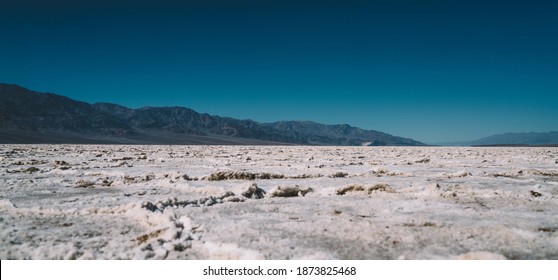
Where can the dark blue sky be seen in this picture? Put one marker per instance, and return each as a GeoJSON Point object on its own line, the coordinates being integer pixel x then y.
{"type": "Point", "coordinates": [431, 70]}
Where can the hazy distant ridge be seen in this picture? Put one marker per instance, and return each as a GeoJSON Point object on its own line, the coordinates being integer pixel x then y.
{"type": "Point", "coordinates": [31, 117]}
{"type": "Point", "coordinates": [530, 138]}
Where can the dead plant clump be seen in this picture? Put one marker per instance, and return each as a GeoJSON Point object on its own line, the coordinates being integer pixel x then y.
{"type": "Point", "coordinates": [351, 188]}
{"type": "Point", "coordinates": [84, 184]}
{"type": "Point", "coordinates": [232, 175]}
{"type": "Point", "coordinates": [291, 191]}
{"type": "Point", "coordinates": [339, 174]}
{"type": "Point", "coordinates": [381, 188]}
{"type": "Point", "coordinates": [359, 188]}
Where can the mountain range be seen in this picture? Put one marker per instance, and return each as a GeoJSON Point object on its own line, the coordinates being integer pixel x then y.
{"type": "Point", "coordinates": [518, 139]}
{"type": "Point", "coordinates": [511, 139]}
{"type": "Point", "coordinates": [27, 116]}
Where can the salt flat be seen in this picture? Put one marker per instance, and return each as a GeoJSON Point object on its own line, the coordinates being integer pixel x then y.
{"type": "Point", "coordinates": [261, 202]}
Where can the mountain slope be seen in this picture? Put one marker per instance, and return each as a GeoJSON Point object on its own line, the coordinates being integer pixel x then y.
{"type": "Point", "coordinates": [31, 117]}
{"type": "Point", "coordinates": [342, 134]}
{"type": "Point", "coordinates": [531, 138]}
{"type": "Point", "coordinates": [22, 109]}
{"type": "Point", "coordinates": [180, 120]}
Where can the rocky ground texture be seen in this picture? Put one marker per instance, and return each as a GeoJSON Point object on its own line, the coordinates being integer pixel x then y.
{"type": "Point", "coordinates": [262, 202]}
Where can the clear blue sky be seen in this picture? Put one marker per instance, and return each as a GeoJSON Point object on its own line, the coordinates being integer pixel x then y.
{"type": "Point", "coordinates": [431, 70]}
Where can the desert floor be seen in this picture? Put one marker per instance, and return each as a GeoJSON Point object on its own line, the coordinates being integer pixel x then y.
{"type": "Point", "coordinates": [261, 202]}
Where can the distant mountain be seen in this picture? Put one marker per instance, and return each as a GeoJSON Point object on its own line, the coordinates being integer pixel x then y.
{"type": "Point", "coordinates": [22, 109]}
{"type": "Point", "coordinates": [31, 117]}
{"type": "Point", "coordinates": [341, 134]}
{"type": "Point", "coordinates": [178, 120]}
{"type": "Point", "coordinates": [531, 138]}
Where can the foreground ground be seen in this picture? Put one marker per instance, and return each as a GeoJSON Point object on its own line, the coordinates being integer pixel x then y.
{"type": "Point", "coordinates": [240, 202]}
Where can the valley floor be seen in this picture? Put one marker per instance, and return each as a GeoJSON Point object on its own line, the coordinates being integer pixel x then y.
{"type": "Point", "coordinates": [277, 202]}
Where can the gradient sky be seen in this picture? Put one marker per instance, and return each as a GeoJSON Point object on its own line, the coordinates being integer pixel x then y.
{"type": "Point", "coordinates": [432, 70]}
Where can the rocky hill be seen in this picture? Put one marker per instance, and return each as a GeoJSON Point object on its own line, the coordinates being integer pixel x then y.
{"type": "Point", "coordinates": [31, 117]}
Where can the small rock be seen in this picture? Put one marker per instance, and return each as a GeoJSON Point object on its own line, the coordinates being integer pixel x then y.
{"type": "Point", "coordinates": [536, 194]}
{"type": "Point", "coordinates": [254, 192]}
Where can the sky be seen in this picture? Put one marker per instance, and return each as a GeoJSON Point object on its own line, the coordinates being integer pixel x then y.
{"type": "Point", "coordinates": [432, 70]}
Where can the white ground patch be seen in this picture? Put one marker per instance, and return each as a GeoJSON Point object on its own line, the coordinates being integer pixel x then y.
{"type": "Point", "coordinates": [260, 202]}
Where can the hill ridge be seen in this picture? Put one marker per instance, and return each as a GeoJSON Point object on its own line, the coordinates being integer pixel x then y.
{"type": "Point", "coordinates": [49, 117]}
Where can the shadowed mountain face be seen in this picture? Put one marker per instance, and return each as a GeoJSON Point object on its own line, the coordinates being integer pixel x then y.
{"type": "Point", "coordinates": [22, 109]}
{"type": "Point", "coordinates": [31, 117]}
